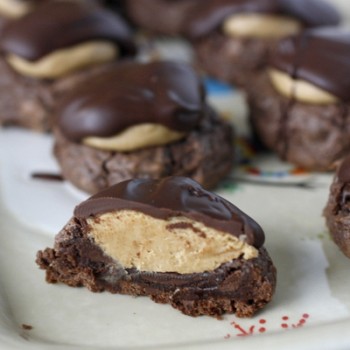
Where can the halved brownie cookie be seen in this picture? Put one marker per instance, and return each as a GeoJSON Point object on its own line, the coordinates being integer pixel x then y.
{"type": "Point", "coordinates": [168, 239]}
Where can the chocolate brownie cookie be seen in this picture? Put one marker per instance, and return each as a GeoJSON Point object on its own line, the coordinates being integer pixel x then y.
{"type": "Point", "coordinates": [141, 121]}
{"type": "Point", "coordinates": [48, 51]}
{"type": "Point", "coordinates": [337, 210]}
{"type": "Point", "coordinates": [167, 239]}
{"type": "Point", "coordinates": [299, 105]}
{"type": "Point", "coordinates": [232, 38]}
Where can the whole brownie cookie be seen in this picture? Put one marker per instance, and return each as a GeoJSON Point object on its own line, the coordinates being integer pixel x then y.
{"type": "Point", "coordinates": [141, 121]}
{"type": "Point", "coordinates": [232, 38]}
{"type": "Point", "coordinates": [337, 210]}
{"type": "Point", "coordinates": [166, 17]}
{"type": "Point", "coordinates": [299, 106]}
{"type": "Point", "coordinates": [48, 51]}
{"type": "Point", "coordinates": [167, 239]}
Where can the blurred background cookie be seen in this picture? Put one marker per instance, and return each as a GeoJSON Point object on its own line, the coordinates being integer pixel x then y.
{"type": "Point", "coordinates": [141, 121]}
{"type": "Point", "coordinates": [232, 39]}
{"type": "Point", "coordinates": [48, 51]}
{"type": "Point", "coordinates": [299, 106]}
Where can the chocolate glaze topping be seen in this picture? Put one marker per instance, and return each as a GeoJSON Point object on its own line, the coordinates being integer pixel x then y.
{"type": "Point", "coordinates": [311, 13]}
{"type": "Point", "coordinates": [173, 196]}
{"type": "Point", "coordinates": [319, 56]}
{"type": "Point", "coordinates": [167, 93]}
{"type": "Point", "coordinates": [60, 24]}
{"type": "Point", "coordinates": [344, 171]}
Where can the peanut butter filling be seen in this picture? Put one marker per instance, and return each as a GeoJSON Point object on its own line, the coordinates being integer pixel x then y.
{"type": "Point", "coordinates": [299, 90]}
{"type": "Point", "coordinates": [64, 61]}
{"type": "Point", "coordinates": [179, 244]}
{"type": "Point", "coordinates": [251, 25]}
{"type": "Point", "coordinates": [136, 137]}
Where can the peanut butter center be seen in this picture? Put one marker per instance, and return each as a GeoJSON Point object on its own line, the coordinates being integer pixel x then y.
{"type": "Point", "coordinates": [136, 137]}
{"type": "Point", "coordinates": [253, 25]}
{"type": "Point", "coordinates": [178, 244]}
{"type": "Point", "coordinates": [300, 90]}
{"type": "Point", "coordinates": [64, 61]}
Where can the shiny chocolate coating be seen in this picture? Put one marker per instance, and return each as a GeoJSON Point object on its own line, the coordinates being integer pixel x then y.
{"type": "Point", "coordinates": [311, 13]}
{"type": "Point", "coordinates": [166, 93]}
{"type": "Point", "coordinates": [319, 56]}
{"type": "Point", "coordinates": [173, 196]}
{"type": "Point", "coordinates": [60, 24]}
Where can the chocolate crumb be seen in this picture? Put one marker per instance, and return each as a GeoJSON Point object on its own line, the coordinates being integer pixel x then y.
{"type": "Point", "coordinates": [27, 327]}
{"type": "Point", "coordinates": [47, 176]}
